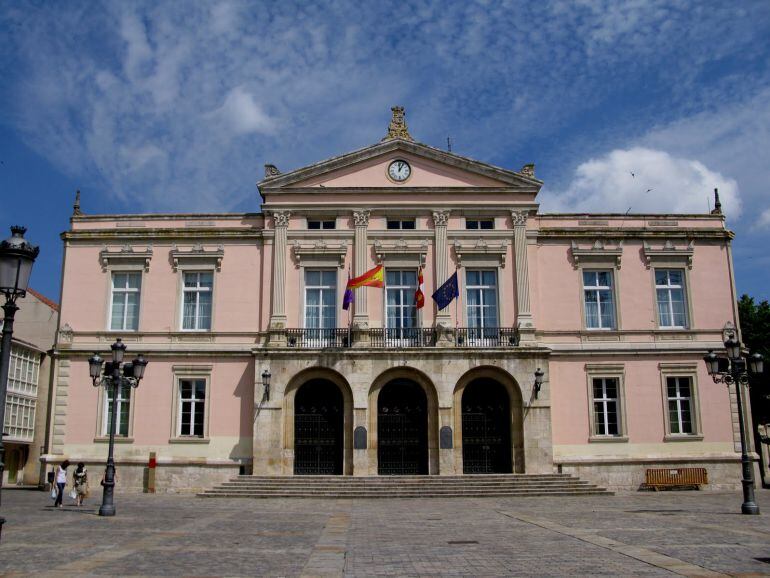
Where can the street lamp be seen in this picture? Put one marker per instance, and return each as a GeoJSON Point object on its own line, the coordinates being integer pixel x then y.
{"type": "Point", "coordinates": [16, 258]}
{"type": "Point", "coordinates": [266, 375]}
{"type": "Point", "coordinates": [538, 381]}
{"type": "Point", "coordinates": [733, 371]}
{"type": "Point", "coordinates": [113, 381]}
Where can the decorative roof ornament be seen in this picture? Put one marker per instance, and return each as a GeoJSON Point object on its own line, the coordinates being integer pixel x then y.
{"type": "Point", "coordinates": [528, 170]}
{"type": "Point", "coordinates": [271, 171]}
{"type": "Point", "coordinates": [76, 212]}
{"type": "Point", "coordinates": [717, 210]}
{"type": "Point", "coordinates": [397, 127]}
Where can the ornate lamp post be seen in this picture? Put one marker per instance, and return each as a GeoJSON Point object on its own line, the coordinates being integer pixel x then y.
{"type": "Point", "coordinates": [266, 375]}
{"type": "Point", "coordinates": [732, 370]}
{"type": "Point", "coordinates": [113, 381]}
{"type": "Point", "coordinates": [17, 256]}
{"type": "Point", "coordinates": [538, 381]}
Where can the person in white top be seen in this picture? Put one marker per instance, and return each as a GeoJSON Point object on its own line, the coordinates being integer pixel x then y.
{"type": "Point", "coordinates": [61, 481]}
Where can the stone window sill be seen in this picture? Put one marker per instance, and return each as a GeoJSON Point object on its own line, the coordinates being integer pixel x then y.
{"type": "Point", "coordinates": [608, 439]}
{"type": "Point", "coordinates": [189, 440]}
{"type": "Point", "coordinates": [683, 438]}
{"type": "Point", "coordinates": [118, 440]}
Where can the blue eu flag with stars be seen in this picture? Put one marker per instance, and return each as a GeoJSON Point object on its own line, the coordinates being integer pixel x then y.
{"type": "Point", "coordinates": [445, 294]}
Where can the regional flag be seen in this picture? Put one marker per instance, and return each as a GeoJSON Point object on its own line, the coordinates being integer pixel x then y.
{"type": "Point", "coordinates": [372, 278]}
{"type": "Point", "coordinates": [349, 296]}
{"type": "Point", "coordinates": [445, 294]}
{"type": "Point", "coordinates": [419, 296]}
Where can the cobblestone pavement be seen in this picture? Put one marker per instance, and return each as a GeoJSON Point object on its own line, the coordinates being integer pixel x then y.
{"type": "Point", "coordinates": [644, 534]}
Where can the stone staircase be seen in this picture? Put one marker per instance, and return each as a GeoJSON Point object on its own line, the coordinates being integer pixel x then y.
{"type": "Point", "coordinates": [469, 486]}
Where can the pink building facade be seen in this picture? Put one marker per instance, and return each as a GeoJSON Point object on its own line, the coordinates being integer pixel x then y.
{"type": "Point", "coordinates": [616, 311]}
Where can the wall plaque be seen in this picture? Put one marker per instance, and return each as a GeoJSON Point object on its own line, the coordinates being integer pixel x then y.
{"type": "Point", "coordinates": [445, 438]}
{"type": "Point", "coordinates": [359, 438]}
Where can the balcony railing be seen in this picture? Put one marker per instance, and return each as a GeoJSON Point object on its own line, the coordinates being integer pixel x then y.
{"type": "Point", "coordinates": [486, 337]}
{"type": "Point", "coordinates": [414, 337]}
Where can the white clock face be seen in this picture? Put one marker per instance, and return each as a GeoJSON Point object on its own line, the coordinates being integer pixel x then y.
{"type": "Point", "coordinates": [399, 170]}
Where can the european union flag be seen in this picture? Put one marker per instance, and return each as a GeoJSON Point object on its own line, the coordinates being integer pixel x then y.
{"type": "Point", "coordinates": [445, 294]}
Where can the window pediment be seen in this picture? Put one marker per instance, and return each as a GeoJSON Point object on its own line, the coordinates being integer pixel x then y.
{"type": "Point", "coordinates": [401, 250]}
{"type": "Point", "coordinates": [602, 252]}
{"type": "Point", "coordinates": [320, 252]}
{"type": "Point", "coordinates": [668, 253]}
{"type": "Point", "coordinates": [125, 255]}
{"type": "Point", "coordinates": [481, 250]}
{"type": "Point", "coordinates": [197, 256]}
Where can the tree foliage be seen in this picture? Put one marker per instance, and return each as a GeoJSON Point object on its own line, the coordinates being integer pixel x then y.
{"type": "Point", "coordinates": [755, 334]}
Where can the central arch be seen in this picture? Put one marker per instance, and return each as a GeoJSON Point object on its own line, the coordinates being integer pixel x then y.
{"type": "Point", "coordinates": [318, 429]}
{"type": "Point", "coordinates": [486, 428]}
{"type": "Point", "coordinates": [402, 429]}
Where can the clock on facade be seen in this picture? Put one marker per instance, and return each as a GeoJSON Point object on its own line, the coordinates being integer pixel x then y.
{"type": "Point", "coordinates": [399, 170]}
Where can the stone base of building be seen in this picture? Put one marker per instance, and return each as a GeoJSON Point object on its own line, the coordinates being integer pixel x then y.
{"type": "Point", "coordinates": [629, 476]}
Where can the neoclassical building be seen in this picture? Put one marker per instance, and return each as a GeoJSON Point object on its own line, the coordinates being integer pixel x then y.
{"type": "Point", "coordinates": [615, 311]}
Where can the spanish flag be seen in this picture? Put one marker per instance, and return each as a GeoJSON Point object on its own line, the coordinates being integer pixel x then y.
{"type": "Point", "coordinates": [372, 278]}
{"type": "Point", "coordinates": [419, 296]}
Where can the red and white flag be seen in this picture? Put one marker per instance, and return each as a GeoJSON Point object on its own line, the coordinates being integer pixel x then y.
{"type": "Point", "coordinates": [419, 297]}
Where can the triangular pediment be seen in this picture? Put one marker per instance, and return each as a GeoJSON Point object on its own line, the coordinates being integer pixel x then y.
{"type": "Point", "coordinates": [430, 168]}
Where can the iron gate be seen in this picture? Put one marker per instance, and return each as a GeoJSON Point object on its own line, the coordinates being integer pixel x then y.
{"type": "Point", "coordinates": [402, 430]}
{"type": "Point", "coordinates": [318, 430]}
{"type": "Point", "coordinates": [486, 429]}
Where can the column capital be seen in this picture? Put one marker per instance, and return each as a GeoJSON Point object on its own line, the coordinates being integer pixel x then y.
{"type": "Point", "coordinates": [440, 218]}
{"type": "Point", "coordinates": [281, 218]}
{"type": "Point", "coordinates": [519, 218]}
{"type": "Point", "coordinates": [361, 217]}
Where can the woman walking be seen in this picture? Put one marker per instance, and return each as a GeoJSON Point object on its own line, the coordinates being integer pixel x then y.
{"type": "Point", "coordinates": [61, 481]}
{"type": "Point", "coordinates": [80, 479]}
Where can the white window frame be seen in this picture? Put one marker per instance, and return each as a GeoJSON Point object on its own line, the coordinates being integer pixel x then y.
{"type": "Point", "coordinates": [125, 291]}
{"type": "Point", "coordinates": [404, 290]}
{"type": "Point", "coordinates": [105, 412]}
{"type": "Point", "coordinates": [479, 339]}
{"type": "Point", "coordinates": [400, 222]}
{"type": "Point", "coordinates": [183, 373]}
{"type": "Point", "coordinates": [197, 290]}
{"type": "Point", "coordinates": [607, 371]}
{"type": "Point", "coordinates": [194, 401]}
{"type": "Point", "coordinates": [478, 222]}
{"type": "Point", "coordinates": [685, 295]}
{"type": "Point", "coordinates": [320, 339]}
{"type": "Point", "coordinates": [321, 224]}
{"type": "Point", "coordinates": [681, 371]}
{"type": "Point", "coordinates": [598, 289]}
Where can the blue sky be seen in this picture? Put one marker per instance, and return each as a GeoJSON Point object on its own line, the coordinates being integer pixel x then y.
{"type": "Point", "coordinates": [175, 106]}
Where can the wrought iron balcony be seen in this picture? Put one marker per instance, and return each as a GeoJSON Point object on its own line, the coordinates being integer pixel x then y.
{"type": "Point", "coordinates": [414, 337]}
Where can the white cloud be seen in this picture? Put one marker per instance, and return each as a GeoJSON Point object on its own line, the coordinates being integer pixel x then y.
{"type": "Point", "coordinates": [763, 221]}
{"type": "Point", "coordinates": [243, 113]}
{"type": "Point", "coordinates": [644, 181]}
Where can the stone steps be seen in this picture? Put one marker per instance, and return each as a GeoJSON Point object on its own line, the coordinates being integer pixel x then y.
{"type": "Point", "coordinates": [492, 485]}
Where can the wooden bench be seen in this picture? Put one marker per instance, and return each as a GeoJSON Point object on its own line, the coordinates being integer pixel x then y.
{"type": "Point", "coordinates": [657, 478]}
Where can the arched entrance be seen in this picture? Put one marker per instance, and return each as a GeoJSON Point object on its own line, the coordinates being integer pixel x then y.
{"type": "Point", "coordinates": [486, 423]}
{"type": "Point", "coordinates": [402, 429]}
{"type": "Point", "coordinates": [318, 428]}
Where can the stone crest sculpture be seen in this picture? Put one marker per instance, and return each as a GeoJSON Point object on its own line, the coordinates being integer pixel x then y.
{"type": "Point", "coordinates": [397, 127]}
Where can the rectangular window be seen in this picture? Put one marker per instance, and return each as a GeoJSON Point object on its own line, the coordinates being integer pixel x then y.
{"type": "Point", "coordinates": [606, 406]}
{"type": "Point", "coordinates": [481, 300]}
{"type": "Point", "coordinates": [669, 289]}
{"type": "Point", "coordinates": [20, 417]}
{"type": "Point", "coordinates": [599, 306]}
{"type": "Point", "coordinates": [401, 224]}
{"type": "Point", "coordinates": [679, 391]}
{"type": "Point", "coordinates": [482, 224]}
{"type": "Point", "coordinates": [321, 224]}
{"type": "Point", "coordinates": [320, 299]}
{"type": "Point", "coordinates": [192, 407]}
{"type": "Point", "coordinates": [123, 410]}
{"type": "Point", "coordinates": [196, 312]}
{"type": "Point", "coordinates": [124, 314]}
{"type": "Point", "coordinates": [400, 311]}
{"type": "Point", "coordinates": [23, 371]}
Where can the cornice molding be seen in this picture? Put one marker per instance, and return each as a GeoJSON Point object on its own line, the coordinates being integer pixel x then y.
{"type": "Point", "coordinates": [401, 248]}
{"type": "Point", "coordinates": [319, 249]}
{"type": "Point", "coordinates": [480, 249]}
{"type": "Point", "coordinates": [604, 250]}
{"type": "Point", "coordinates": [126, 254]}
{"type": "Point", "coordinates": [667, 253]}
{"type": "Point", "coordinates": [197, 255]}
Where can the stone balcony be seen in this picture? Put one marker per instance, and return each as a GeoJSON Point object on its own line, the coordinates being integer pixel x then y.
{"type": "Point", "coordinates": [406, 338]}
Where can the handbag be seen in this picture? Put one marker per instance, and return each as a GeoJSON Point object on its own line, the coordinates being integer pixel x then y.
{"type": "Point", "coordinates": [53, 493]}
{"type": "Point", "coordinates": [73, 494]}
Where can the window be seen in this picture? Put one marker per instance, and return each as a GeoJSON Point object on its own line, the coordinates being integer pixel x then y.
{"type": "Point", "coordinates": [23, 371]}
{"type": "Point", "coordinates": [481, 299]}
{"type": "Point", "coordinates": [606, 404]}
{"type": "Point", "coordinates": [599, 306]}
{"type": "Point", "coordinates": [19, 417]}
{"type": "Point", "coordinates": [321, 224]}
{"type": "Point", "coordinates": [401, 224]}
{"type": "Point", "coordinates": [483, 224]}
{"type": "Point", "coordinates": [400, 311]}
{"type": "Point", "coordinates": [192, 407]}
{"type": "Point", "coordinates": [123, 411]}
{"type": "Point", "coordinates": [320, 299]}
{"type": "Point", "coordinates": [679, 393]}
{"type": "Point", "coordinates": [124, 313]}
{"type": "Point", "coordinates": [196, 306]}
{"type": "Point", "coordinates": [21, 399]}
{"type": "Point", "coordinates": [669, 289]}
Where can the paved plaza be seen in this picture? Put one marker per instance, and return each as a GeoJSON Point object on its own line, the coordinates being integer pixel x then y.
{"type": "Point", "coordinates": [642, 534]}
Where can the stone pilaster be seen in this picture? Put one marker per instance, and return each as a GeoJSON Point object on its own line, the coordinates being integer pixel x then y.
{"type": "Point", "coordinates": [361, 220]}
{"type": "Point", "coordinates": [524, 320]}
{"type": "Point", "coordinates": [441, 256]}
{"type": "Point", "coordinates": [278, 305]}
